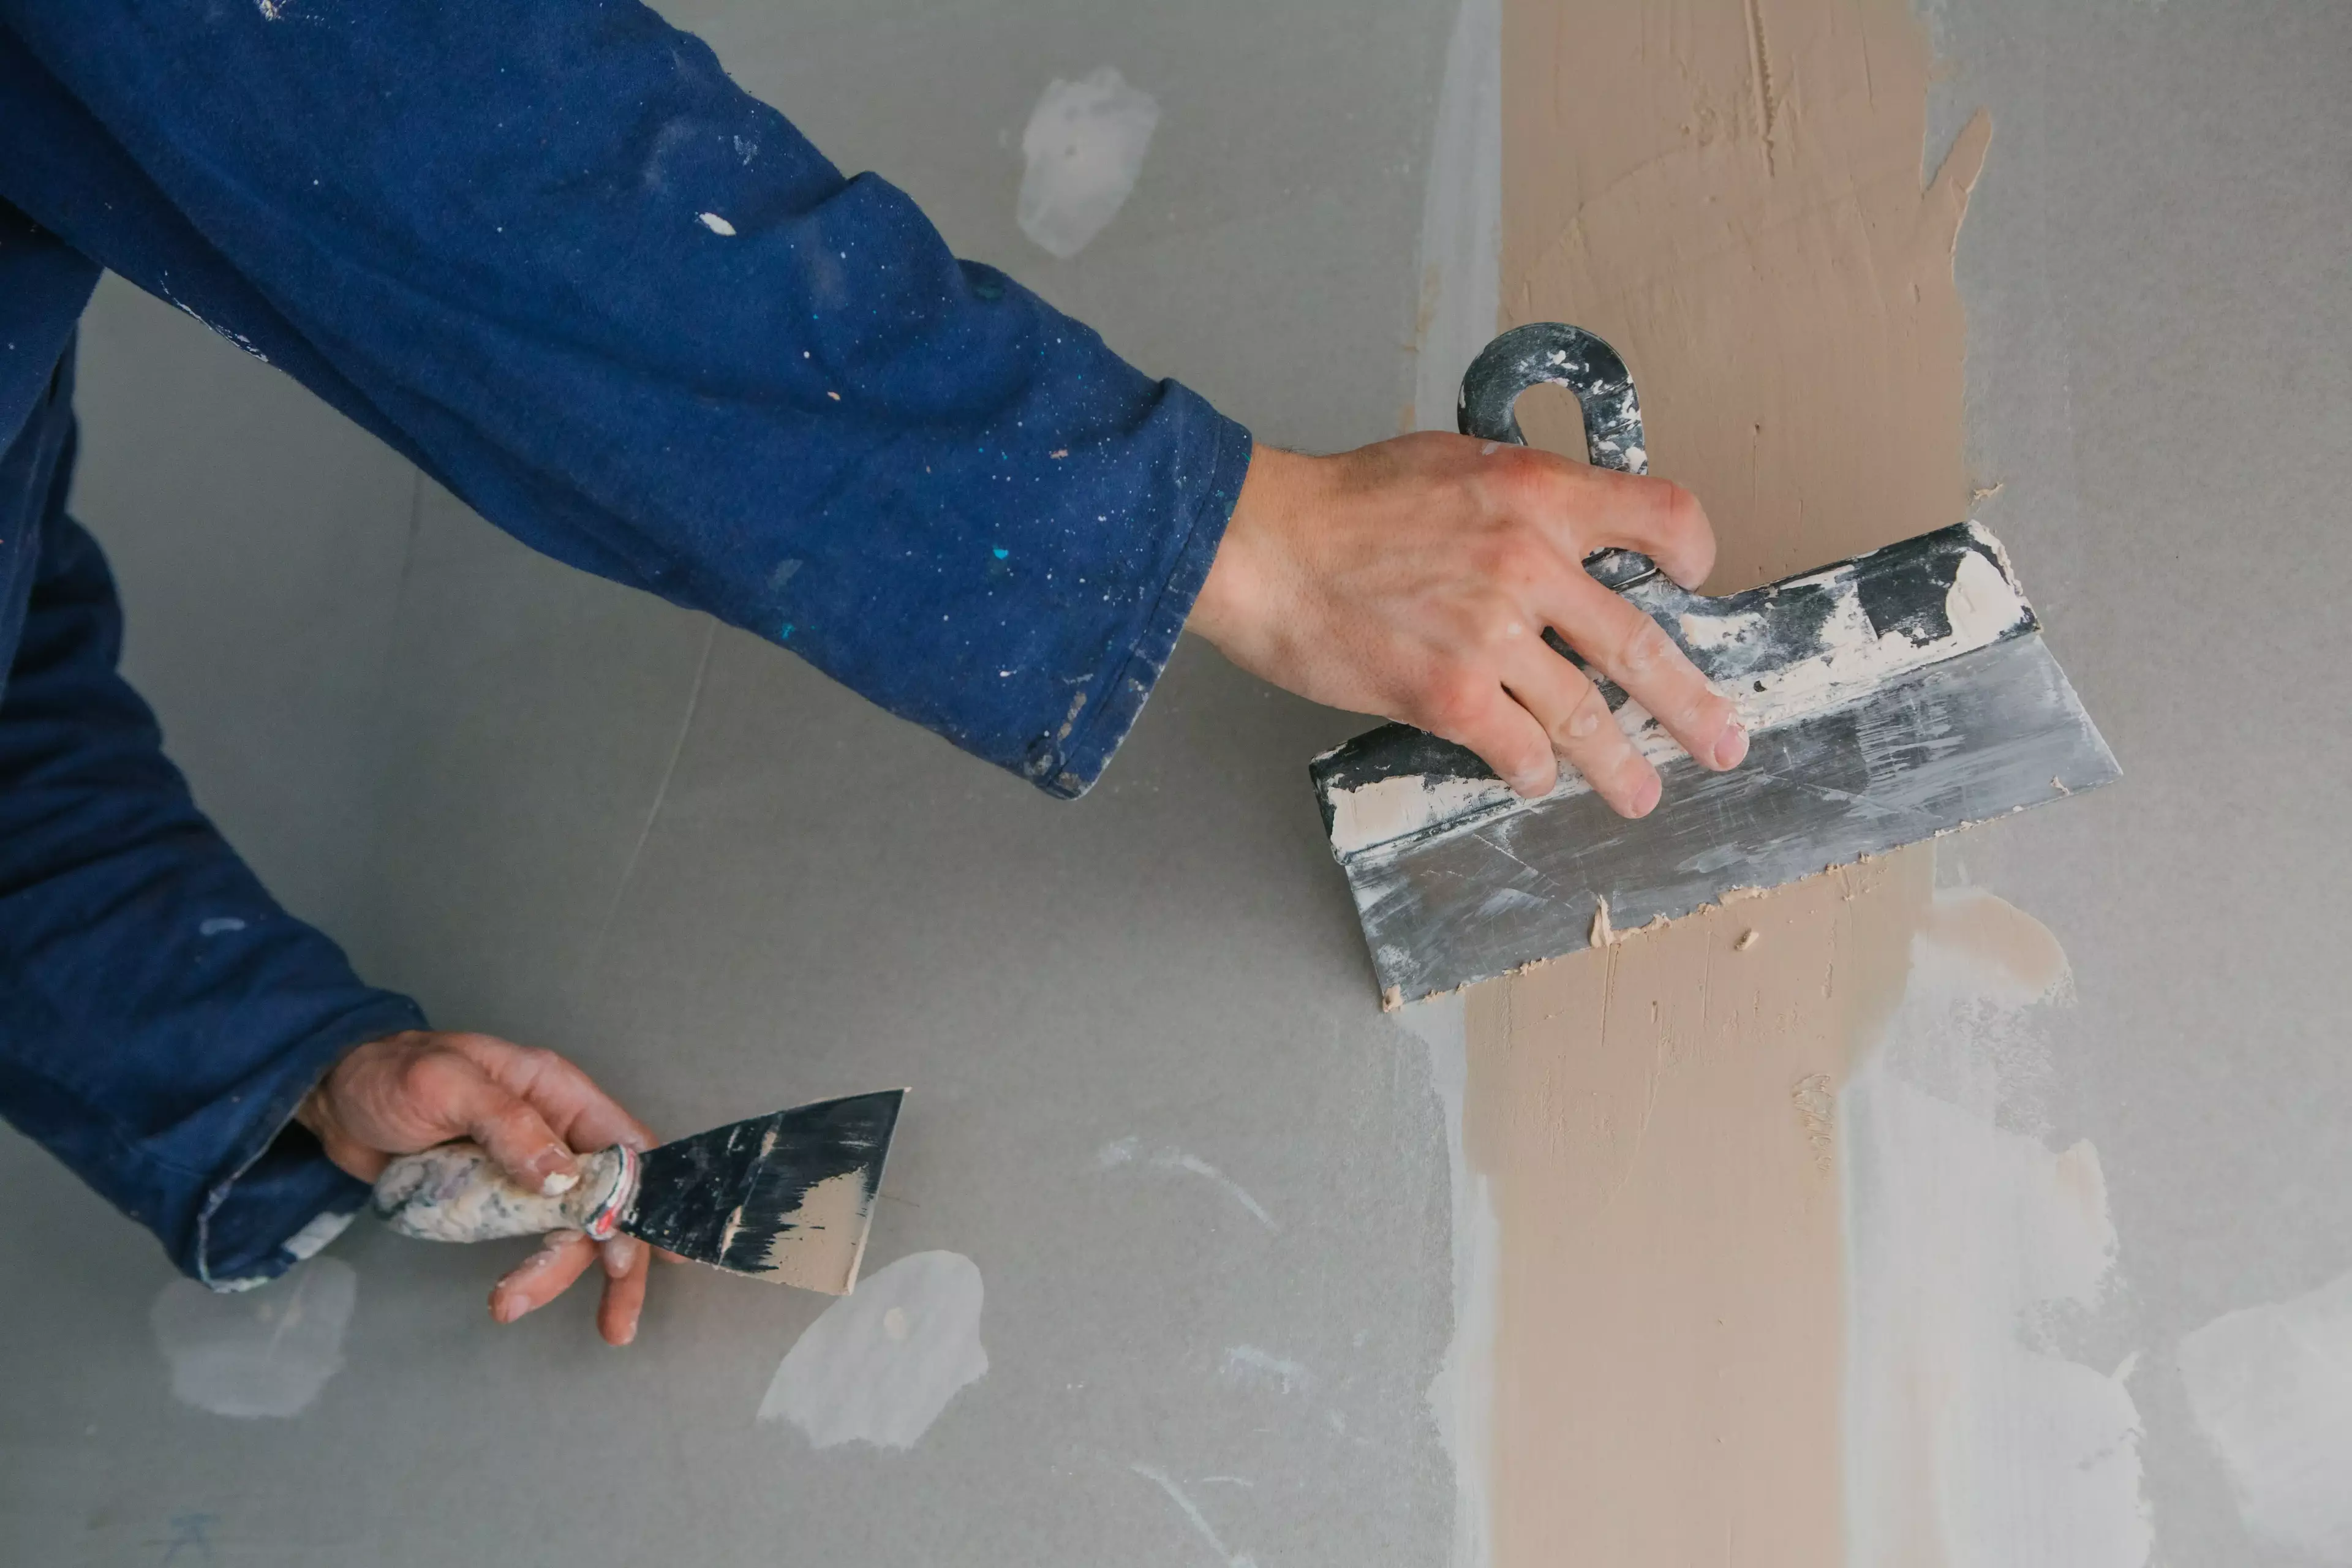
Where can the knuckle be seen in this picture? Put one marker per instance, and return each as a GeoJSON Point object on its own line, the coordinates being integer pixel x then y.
{"type": "Point", "coordinates": [427, 1076]}
{"type": "Point", "coordinates": [1678, 509]}
{"type": "Point", "coordinates": [1454, 701]}
{"type": "Point", "coordinates": [1582, 719]}
{"type": "Point", "coordinates": [1645, 646]}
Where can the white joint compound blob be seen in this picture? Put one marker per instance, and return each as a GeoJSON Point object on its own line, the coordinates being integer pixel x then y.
{"type": "Point", "coordinates": [879, 1364]}
{"type": "Point", "coordinates": [262, 1353]}
{"type": "Point", "coordinates": [1972, 1439]}
{"type": "Point", "coordinates": [2271, 1387]}
{"type": "Point", "coordinates": [1085, 147]}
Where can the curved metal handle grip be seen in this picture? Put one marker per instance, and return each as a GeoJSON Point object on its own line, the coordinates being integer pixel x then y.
{"type": "Point", "coordinates": [1555, 353]}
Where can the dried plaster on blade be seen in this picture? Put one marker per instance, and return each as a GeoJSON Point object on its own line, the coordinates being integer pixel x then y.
{"type": "Point", "coordinates": [1856, 662]}
{"type": "Point", "coordinates": [1731, 197]}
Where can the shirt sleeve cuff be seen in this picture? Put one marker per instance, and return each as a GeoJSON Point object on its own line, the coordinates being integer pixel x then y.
{"type": "Point", "coordinates": [282, 1199]}
{"type": "Point", "coordinates": [1096, 730]}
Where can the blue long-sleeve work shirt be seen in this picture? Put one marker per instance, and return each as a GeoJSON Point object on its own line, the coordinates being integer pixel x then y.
{"type": "Point", "coordinates": [550, 253]}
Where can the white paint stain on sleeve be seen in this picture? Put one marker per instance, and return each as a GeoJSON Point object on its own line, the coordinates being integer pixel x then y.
{"type": "Point", "coordinates": [879, 1364]}
{"type": "Point", "coordinates": [1973, 1438]}
{"type": "Point", "coordinates": [266, 1352]}
{"type": "Point", "coordinates": [2271, 1387]}
{"type": "Point", "coordinates": [1084, 146]}
{"type": "Point", "coordinates": [716, 224]}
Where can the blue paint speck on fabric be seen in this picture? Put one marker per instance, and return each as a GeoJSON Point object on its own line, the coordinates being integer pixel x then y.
{"type": "Point", "coordinates": [999, 553]}
{"type": "Point", "coordinates": [784, 632]}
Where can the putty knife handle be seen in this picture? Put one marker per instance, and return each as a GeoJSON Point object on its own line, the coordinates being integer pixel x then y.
{"type": "Point", "coordinates": [1557, 354]}
{"type": "Point", "coordinates": [454, 1191]}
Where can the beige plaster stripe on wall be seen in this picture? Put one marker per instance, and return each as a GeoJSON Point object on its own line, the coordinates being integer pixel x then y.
{"type": "Point", "coordinates": [1654, 1121]}
{"type": "Point", "coordinates": [1731, 194]}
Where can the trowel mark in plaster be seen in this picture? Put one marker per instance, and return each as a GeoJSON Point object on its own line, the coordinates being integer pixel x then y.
{"type": "Point", "coordinates": [1246, 1366]}
{"type": "Point", "coordinates": [2272, 1388]}
{"type": "Point", "coordinates": [1129, 1150]}
{"type": "Point", "coordinates": [266, 1352]}
{"type": "Point", "coordinates": [1194, 1517]}
{"type": "Point", "coordinates": [1083, 145]}
{"type": "Point", "coordinates": [879, 1364]}
{"type": "Point", "coordinates": [1972, 1439]}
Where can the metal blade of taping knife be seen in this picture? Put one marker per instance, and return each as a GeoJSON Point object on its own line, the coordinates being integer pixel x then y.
{"type": "Point", "coordinates": [787, 1197]}
{"type": "Point", "coordinates": [1890, 698]}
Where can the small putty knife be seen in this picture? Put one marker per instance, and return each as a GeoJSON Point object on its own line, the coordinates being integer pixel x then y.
{"type": "Point", "coordinates": [1888, 699]}
{"type": "Point", "coordinates": [786, 1197]}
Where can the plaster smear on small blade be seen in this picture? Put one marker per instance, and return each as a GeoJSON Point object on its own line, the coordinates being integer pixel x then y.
{"type": "Point", "coordinates": [2272, 1388]}
{"type": "Point", "coordinates": [879, 1366]}
{"type": "Point", "coordinates": [264, 1352]}
{"type": "Point", "coordinates": [1973, 1440]}
{"type": "Point", "coordinates": [1085, 147]}
{"type": "Point", "coordinates": [807, 1249]}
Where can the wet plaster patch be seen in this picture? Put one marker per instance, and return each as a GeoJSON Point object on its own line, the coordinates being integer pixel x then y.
{"type": "Point", "coordinates": [2271, 1387]}
{"type": "Point", "coordinates": [1973, 1437]}
{"type": "Point", "coordinates": [258, 1354]}
{"type": "Point", "coordinates": [879, 1364]}
{"type": "Point", "coordinates": [1084, 150]}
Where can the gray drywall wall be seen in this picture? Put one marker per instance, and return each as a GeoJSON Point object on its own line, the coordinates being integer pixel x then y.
{"type": "Point", "coordinates": [560, 811]}
{"type": "Point", "coordinates": [2161, 380]}
{"type": "Point", "coordinates": [564, 812]}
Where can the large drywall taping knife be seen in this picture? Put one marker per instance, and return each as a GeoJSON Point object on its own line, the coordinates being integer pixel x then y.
{"type": "Point", "coordinates": [1888, 699]}
{"type": "Point", "coordinates": [787, 1197]}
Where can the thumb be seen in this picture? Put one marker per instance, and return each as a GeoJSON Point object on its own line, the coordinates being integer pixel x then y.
{"type": "Point", "coordinates": [515, 1136]}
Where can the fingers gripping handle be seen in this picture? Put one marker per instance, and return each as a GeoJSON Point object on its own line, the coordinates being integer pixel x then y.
{"type": "Point", "coordinates": [454, 1191]}
{"type": "Point", "coordinates": [1555, 353]}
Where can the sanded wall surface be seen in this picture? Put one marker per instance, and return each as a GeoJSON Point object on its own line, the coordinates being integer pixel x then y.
{"type": "Point", "coordinates": [1206, 1186]}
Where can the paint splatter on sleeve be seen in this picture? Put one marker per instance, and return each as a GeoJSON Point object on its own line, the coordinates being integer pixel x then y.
{"type": "Point", "coordinates": [670, 345]}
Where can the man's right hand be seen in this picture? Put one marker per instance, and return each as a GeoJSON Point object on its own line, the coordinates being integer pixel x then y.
{"type": "Point", "coordinates": [1414, 579]}
{"type": "Point", "coordinates": [529, 1108]}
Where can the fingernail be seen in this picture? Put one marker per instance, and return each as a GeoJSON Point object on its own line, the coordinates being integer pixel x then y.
{"type": "Point", "coordinates": [557, 1171]}
{"type": "Point", "coordinates": [1731, 746]}
{"type": "Point", "coordinates": [1645, 798]}
{"type": "Point", "coordinates": [620, 1254]}
{"type": "Point", "coordinates": [1531, 786]}
{"type": "Point", "coordinates": [506, 1308]}
{"type": "Point", "coordinates": [629, 1336]}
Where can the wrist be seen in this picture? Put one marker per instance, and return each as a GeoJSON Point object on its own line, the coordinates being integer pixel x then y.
{"type": "Point", "coordinates": [1235, 596]}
